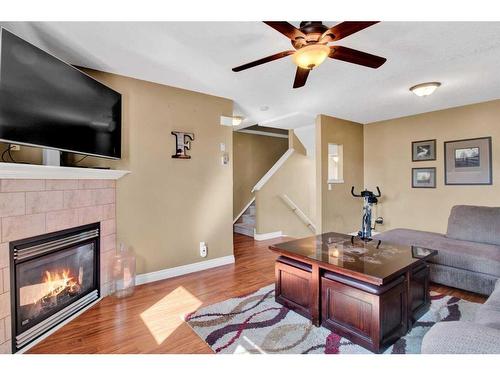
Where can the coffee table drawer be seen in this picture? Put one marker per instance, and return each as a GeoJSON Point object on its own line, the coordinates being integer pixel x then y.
{"type": "Point", "coordinates": [293, 288]}
{"type": "Point", "coordinates": [371, 320]}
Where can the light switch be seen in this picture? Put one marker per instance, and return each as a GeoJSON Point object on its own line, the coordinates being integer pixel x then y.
{"type": "Point", "coordinates": [222, 147]}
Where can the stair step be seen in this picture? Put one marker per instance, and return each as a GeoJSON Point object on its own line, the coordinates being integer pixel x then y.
{"type": "Point", "coordinates": [248, 219]}
{"type": "Point", "coordinates": [244, 228]}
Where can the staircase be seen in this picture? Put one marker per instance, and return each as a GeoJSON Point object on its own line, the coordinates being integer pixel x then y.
{"type": "Point", "coordinates": [246, 222]}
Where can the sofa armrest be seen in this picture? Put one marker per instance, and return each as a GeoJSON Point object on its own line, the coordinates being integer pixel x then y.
{"type": "Point", "coordinates": [461, 338]}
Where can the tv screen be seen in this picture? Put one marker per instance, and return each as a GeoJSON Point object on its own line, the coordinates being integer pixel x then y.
{"type": "Point", "coordinates": [47, 103]}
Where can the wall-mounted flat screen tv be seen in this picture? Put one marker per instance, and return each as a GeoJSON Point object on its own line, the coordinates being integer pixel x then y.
{"type": "Point", "coordinates": [47, 103]}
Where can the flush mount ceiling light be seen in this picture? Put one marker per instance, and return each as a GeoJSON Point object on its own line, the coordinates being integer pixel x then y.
{"type": "Point", "coordinates": [231, 120]}
{"type": "Point", "coordinates": [311, 56]}
{"type": "Point", "coordinates": [425, 89]}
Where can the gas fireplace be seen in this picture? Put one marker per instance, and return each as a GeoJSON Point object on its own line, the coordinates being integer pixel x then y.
{"type": "Point", "coordinates": [55, 275]}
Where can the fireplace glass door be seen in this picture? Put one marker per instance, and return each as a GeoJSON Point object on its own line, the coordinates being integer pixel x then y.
{"type": "Point", "coordinates": [47, 284]}
{"type": "Point", "coordinates": [55, 276]}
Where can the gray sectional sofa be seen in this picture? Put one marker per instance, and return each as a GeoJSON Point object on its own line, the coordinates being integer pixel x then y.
{"type": "Point", "coordinates": [468, 254]}
{"type": "Point", "coordinates": [482, 336]}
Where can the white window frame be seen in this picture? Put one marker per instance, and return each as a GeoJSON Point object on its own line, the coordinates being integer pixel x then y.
{"type": "Point", "coordinates": [335, 151]}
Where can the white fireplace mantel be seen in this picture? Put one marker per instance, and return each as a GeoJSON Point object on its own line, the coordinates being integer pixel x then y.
{"type": "Point", "coordinates": [33, 171]}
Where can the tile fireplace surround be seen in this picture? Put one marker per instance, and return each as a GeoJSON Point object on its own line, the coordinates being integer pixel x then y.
{"type": "Point", "coordinates": [33, 207]}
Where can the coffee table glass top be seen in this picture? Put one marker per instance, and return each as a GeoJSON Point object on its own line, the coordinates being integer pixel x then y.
{"type": "Point", "coordinates": [377, 259]}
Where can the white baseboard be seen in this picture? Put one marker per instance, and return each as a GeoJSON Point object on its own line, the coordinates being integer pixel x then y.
{"type": "Point", "coordinates": [267, 236]}
{"type": "Point", "coordinates": [183, 270]}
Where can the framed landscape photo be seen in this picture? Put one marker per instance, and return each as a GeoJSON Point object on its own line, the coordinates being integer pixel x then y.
{"type": "Point", "coordinates": [423, 150]}
{"type": "Point", "coordinates": [468, 162]}
{"type": "Point", "coordinates": [423, 178]}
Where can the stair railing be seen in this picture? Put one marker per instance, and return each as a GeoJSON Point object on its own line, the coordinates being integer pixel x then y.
{"type": "Point", "coordinates": [273, 170]}
{"type": "Point", "coordinates": [302, 216]}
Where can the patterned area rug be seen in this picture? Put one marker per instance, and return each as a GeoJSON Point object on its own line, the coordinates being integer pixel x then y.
{"type": "Point", "coordinates": [255, 323]}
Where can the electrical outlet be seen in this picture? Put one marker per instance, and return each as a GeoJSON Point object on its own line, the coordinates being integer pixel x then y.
{"type": "Point", "coordinates": [15, 148]}
{"type": "Point", "coordinates": [203, 249]}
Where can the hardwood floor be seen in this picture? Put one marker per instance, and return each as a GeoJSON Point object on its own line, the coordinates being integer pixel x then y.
{"type": "Point", "coordinates": [150, 321]}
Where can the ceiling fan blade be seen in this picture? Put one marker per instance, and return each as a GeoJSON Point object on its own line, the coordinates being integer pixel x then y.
{"type": "Point", "coordinates": [286, 29]}
{"type": "Point", "coordinates": [356, 57]}
{"type": "Point", "coordinates": [345, 29]}
{"type": "Point", "coordinates": [300, 77]}
{"type": "Point", "coordinates": [264, 60]}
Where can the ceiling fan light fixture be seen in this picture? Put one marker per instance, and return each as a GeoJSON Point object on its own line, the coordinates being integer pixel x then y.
{"type": "Point", "coordinates": [311, 56]}
{"type": "Point", "coordinates": [425, 89]}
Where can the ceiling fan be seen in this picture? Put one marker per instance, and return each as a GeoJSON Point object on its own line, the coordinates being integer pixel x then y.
{"type": "Point", "coordinates": [311, 46]}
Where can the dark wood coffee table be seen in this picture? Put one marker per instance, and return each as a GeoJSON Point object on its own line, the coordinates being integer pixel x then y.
{"type": "Point", "coordinates": [370, 292]}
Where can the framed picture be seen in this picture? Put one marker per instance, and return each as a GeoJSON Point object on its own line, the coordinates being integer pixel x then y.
{"type": "Point", "coordinates": [468, 162]}
{"type": "Point", "coordinates": [423, 177]}
{"type": "Point", "coordinates": [423, 150]}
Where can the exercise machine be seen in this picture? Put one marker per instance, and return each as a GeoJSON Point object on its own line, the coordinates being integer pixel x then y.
{"type": "Point", "coordinates": [369, 199]}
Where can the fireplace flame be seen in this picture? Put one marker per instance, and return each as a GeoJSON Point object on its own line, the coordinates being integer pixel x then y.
{"type": "Point", "coordinates": [54, 284]}
{"type": "Point", "coordinates": [59, 281]}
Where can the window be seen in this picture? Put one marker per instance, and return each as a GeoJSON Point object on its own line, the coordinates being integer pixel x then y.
{"type": "Point", "coordinates": [335, 163]}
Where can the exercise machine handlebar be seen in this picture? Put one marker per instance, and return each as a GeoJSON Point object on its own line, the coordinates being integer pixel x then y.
{"type": "Point", "coordinates": [365, 193]}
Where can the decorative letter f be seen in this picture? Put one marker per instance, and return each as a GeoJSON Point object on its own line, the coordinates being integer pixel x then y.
{"type": "Point", "coordinates": [182, 143]}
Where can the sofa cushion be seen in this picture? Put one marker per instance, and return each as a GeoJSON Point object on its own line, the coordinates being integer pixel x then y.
{"type": "Point", "coordinates": [475, 224]}
{"type": "Point", "coordinates": [488, 315]}
{"type": "Point", "coordinates": [471, 256]}
{"type": "Point", "coordinates": [494, 298]}
{"type": "Point", "coordinates": [471, 281]}
{"type": "Point", "coordinates": [461, 338]}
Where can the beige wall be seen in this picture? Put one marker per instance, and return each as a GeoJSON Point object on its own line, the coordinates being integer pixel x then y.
{"type": "Point", "coordinates": [388, 164]}
{"type": "Point", "coordinates": [295, 143]}
{"type": "Point", "coordinates": [336, 209]}
{"type": "Point", "coordinates": [295, 178]}
{"type": "Point", "coordinates": [31, 155]}
{"type": "Point", "coordinates": [165, 207]}
{"type": "Point", "coordinates": [253, 156]}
